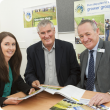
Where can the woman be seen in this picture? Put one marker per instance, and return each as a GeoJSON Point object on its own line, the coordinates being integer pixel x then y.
{"type": "Point", "coordinates": [10, 62]}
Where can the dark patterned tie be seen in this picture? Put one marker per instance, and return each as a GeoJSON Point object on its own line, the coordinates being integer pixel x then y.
{"type": "Point", "coordinates": [91, 74]}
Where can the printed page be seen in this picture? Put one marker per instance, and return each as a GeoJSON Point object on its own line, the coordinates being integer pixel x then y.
{"type": "Point", "coordinates": [84, 101]}
{"type": "Point", "coordinates": [67, 104]}
{"type": "Point", "coordinates": [51, 89]}
{"type": "Point", "coordinates": [34, 93]}
{"type": "Point", "coordinates": [71, 92]}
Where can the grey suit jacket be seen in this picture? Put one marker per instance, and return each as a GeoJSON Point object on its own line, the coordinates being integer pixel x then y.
{"type": "Point", "coordinates": [102, 68]}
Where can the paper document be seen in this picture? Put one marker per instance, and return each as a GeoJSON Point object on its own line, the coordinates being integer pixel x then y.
{"type": "Point", "coordinates": [51, 89]}
{"type": "Point", "coordinates": [34, 93]}
{"type": "Point", "coordinates": [67, 104]}
{"type": "Point", "coordinates": [84, 101]}
{"type": "Point", "coordinates": [70, 92]}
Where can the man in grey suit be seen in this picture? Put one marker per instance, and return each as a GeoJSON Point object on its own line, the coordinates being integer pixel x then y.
{"type": "Point", "coordinates": [99, 81]}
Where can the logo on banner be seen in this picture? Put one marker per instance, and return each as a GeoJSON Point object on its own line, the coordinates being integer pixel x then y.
{"type": "Point", "coordinates": [28, 16]}
{"type": "Point", "coordinates": [79, 9]}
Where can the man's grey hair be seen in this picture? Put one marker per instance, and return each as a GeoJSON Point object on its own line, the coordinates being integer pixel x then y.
{"type": "Point", "coordinates": [94, 26]}
{"type": "Point", "coordinates": [44, 23]}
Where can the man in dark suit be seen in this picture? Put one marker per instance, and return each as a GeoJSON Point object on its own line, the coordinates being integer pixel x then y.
{"type": "Point", "coordinates": [51, 61]}
{"type": "Point", "coordinates": [97, 54]}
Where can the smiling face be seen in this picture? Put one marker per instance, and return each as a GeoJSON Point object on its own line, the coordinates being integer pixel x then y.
{"type": "Point", "coordinates": [47, 35]}
{"type": "Point", "coordinates": [88, 36]}
{"type": "Point", "coordinates": [8, 46]}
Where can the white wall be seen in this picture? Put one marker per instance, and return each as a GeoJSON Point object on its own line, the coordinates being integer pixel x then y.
{"type": "Point", "coordinates": [11, 19]}
{"type": "Point", "coordinates": [11, 16]}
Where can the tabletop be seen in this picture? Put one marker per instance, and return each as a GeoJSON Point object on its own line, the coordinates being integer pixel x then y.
{"type": "Point", "coordinates": [42, 101]}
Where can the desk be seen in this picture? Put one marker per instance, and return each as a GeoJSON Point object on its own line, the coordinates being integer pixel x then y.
{"type": "Point", "coordinates": [42, 101]}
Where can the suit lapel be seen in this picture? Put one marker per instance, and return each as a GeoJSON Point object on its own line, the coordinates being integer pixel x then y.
{"type": "Point", "coordinates": [58, 55]}
{"type": "Point", "coordinates": [40, 54]}
{"type": "Point", "coordinates": [84, 65]}
{"type": "Point", "coordinates": [2, 85]}
{"type": "Point", "coordinates": [98, 57]}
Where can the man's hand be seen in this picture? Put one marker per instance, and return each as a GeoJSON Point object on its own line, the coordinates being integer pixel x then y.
{"type": "Point", "coordinates": [99, 99]}
{"type": "Point", "coordinates": [31, 90]}
{"type": "Point", "coordinates": [12, 100]}
{"type": "Point", "coordinates": [36, 84]}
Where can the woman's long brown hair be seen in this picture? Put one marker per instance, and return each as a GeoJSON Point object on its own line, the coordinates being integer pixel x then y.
{"type": "Point", "coordinates": [15, 60]}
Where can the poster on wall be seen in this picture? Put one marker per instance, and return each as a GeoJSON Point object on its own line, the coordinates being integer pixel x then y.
{"type": "Point", "coordinates": [99, 21]}
{"type": "Point", "coordinates": [96, 10]}
{"type": "Point", "coordinates": [32, 16]}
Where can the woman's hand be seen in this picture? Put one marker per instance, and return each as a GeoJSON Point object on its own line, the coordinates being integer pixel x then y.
{"type": "Point", "coordinates": [12, 100]}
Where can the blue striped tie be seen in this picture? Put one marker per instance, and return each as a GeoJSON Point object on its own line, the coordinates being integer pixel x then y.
{"type": "Point", "coordinates": [91, 74]}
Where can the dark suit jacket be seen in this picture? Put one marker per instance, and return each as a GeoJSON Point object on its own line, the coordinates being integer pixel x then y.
{"type": "Point", "coordinates": [67, 68]}
{"type": "Point", "coordinates": [17, 85]}
{"type": "Point", "coordinates": [102, 68]}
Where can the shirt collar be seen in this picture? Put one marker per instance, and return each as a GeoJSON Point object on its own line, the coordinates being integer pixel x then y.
{"type": "Point", "coordinates": [95, 48]}
{"type": "Point", "coordinates": [53, 47]}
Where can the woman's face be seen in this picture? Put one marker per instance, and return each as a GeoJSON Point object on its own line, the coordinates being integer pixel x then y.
{"type": "Point", "coordinates": [8, 46]}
